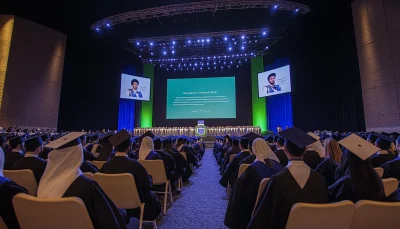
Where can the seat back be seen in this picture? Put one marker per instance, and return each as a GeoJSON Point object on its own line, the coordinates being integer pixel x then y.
{"type": "Point", "coordinates": [374, 214]}
{"type": "Point", "coordinates": [98, 164]}
{"type": "Point", "coordinates": [326, 216]}
{"type": "Point", "coordinates": [231, 157]}
{"type": "Point", "coordinates": [88, 175]}
{"type": "Point", "coordinates": [24, 178]}
{"type": "Point", "coordinates": [156, 169]}
{"type": "Point", "coordinates": [184, 155]}
{"type": "Point", "coordinates": [2, 224]}
{"type": "Point", "coordinates": [49, 213]}
{"type": "Point", "coordinates": [121, 188]}
{"type": "Point", "coordinates": [379, 170]}
{"type": "Point", "coordinates": [390, 185]}
{"type": "Point", "coordinates": [242, 168]}
{"type": "Point", "coordinates": [261, 188]}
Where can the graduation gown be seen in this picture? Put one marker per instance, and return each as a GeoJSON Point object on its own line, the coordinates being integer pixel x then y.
{"type": "Point", "coordinates": [45, 153]}
{"type": "Point", "coordinates": [379, 159]}
{"type": "Point", "coordinates": [233, 150]}
{"type": "Point", "coordinates": [327, 168]}
{"type": "Point", "coordinates": [229, 174]}
{"type": "Point", "coordinates": [8, 189]}
{"type": "Point", "coordinates": [281, 194]}
{"type": "Point", "coordinates": [312, 158]}
{"type": "Point", "coordinates": [181, 163]}
{"type": "Point", "coordinates": [36, 164]}
{"type": "Point", "coordinates": [343, 189]}
{"type": "Point", "coordinates": [170, 165]}
{"type": "Point", "coordinates": [102, 211]}
{"type": "Point", "coordinates": [121, 164]}
{"type": "Point", "coordinates": [87, 167]}
{"type": "Point", "coordinates": [88, 156]}
{"type": "Point", "coordinates": [391, 169]}
{"type": "Point", "coordinates": [12, 157]}
{"type": "Point", "coordinates": [244, 193]}
{"type": "Point", "coordinates": [248, 160]}
{"type": "Point", "coordinates": [280, 153]}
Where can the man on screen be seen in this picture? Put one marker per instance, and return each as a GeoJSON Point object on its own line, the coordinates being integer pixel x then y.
{"type": "Point", "coordinates": [272, 87]}
{"type": "Point", "coordinates": [134, 91]}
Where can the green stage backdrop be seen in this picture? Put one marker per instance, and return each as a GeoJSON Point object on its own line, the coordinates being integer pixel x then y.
{"type": "Point", "coordinates": [146, 117]}
{"type": "Point", "coordinates": [258, 104]}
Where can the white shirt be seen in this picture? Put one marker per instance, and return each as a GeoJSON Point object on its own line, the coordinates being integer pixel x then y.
{"type": "Point", "coordinates": [30, 155]}
{"type": "Point", "coordinates": [17, 151]}
{"type": "Point", "coordinates": [382, 152]}
{"type": "Point", "coordinates": [300, 171]}
{"type": "Point", "coordinates": [121, 154]}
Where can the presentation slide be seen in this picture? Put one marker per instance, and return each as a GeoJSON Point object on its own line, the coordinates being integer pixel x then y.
{"type": "Point", "coordinates": [135, 87]}
{"type": "Point", "coordinates": [274, 82]}
{"type": "Point", "coordinates": [201, 98]}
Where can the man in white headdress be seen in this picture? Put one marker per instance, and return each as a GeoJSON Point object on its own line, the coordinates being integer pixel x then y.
{"type": "Point", "coordinates": [63, 178]}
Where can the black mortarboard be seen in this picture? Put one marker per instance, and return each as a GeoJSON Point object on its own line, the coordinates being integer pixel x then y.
{"type": "Point", "coordinates": [148, 134]}
{"type": "Point", "coordinates": [33, 142]}
{"type": "Point", "coordinates": [69, 140]}
{"type": "Point", "coordinates": [157, 142]}
{"type": "Point", "coordinates": [166, 140]}
{"type": "Point", "coordinates": [251, 136]}
{"type": "Point", "coordinates": [119, 138]}
{"type": "Point", "coordinates": [383, 141]}
{"type": "Point", "coordinates": [105, 137]}
{"type": "Point", "coordinates": [298, 137]}
{"type": "Point", "coordinates": [16, 140]}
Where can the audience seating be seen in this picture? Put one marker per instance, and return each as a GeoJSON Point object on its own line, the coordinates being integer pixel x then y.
{"type": "Point", "coordinates": [122, 190]}
{"type": "Point", "coordinates": [390, 185]}
{"type": "Point", "coordinates": [156, 169]}
{"type": "Point", "coordinates": [23, 177]}
{"type": "Point", "coordinates": [88, 175]}
{"type": "Point", "coordinates": [261, 188]}
{"type": "Point", "coordinates": [242, 168]}
{"type": "Point", "coordinates": [60, 213]}
{"type": "Point", "coordinates": [2, 224]}
{"type": "Point", "coordinates": [379, 170]}
{"type": "Point", "coordinates": [376, 215]}
{"type": "Point", "coordinates": [231, 157]}
{"type": "Point", "coordinates": [184, 155]}
{"type": "Point", "coordinates": [98, 164]}
{"type": "Point", "coordinates": [318, 216]}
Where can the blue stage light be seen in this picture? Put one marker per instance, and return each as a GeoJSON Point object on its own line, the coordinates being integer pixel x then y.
{"type": "Point", "coordinates": [167, 69]}
{"type": "Point", "coordinates": [173, 52]}
{"type": "Point", "coordinates": [264, 33]}
{"type": "Point", "coordinates": [242, 47]}
{"type": "Point", "coordinates": [275, 6]}
{"type": "Point", "coordinates": [152, 53]}
{"type": "Point", "coordinates": [215, 67]}
{"type": "Point", "coordinates": [198, 40]}
{"type": "Point", "coordinates": [108, 25]}
{"type": "Point", "coordinates": [208, 68]}
{"type": "Point", "coordinates": [215, 63]}
{"type": "Point", "coordinates": [171, 65]}
{"type": "Point", "coordinates": [201, 68]}
{"type": "Point", "coordinates": [190, 64]}
{"type": "Point", "coordinates": [208, 40]}
{"type": "Point", "coordinates": [151, 44]}
{"type": "Point", "coordinates": [97, 29]}
{"type": "Point", "coordinates": [202, 40]}
{"type": "Point", "coordinates": [297, 10]}
{"type": "Point", "coordinates": [215, 57]}
{"type": "Point", "coordinates": [267, 47]}
{"type": "Point", "coordinates": [225, 38]}
{"type": "Point", "coordinates": [242, 37]}
{"type": "Point", "coordinates": [137, 43]}
{"type": "Point", "coordinates": [230, 48]}
{"type": "Point", "coordinates": [222, 67]}
{"type": "Point", "coordinates": [189, 41]}
{"type": "Point", "coordinates": [173, 42]}
{"type": "Point", "coordinates": [195, 64]}
{"type": "Point", "coordinates": [165, 53]}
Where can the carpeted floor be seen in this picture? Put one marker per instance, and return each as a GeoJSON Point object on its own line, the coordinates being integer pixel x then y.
{"type": "Point", "coordinates": [202, 202]}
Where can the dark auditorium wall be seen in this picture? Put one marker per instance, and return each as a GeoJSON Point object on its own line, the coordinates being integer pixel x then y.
{"type": "Point", "coordinates": [33, 78]}
{"type": "Point", "coordinates": [243, 95]}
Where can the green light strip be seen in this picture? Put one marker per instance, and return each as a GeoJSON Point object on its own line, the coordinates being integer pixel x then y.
{"type": "Point", "coordinates": [146, 120]}
{"type": "Point", "coordinates": [258, 104]}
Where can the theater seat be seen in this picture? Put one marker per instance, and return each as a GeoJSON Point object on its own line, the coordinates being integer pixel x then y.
{"type": "Point", "coordinates": [98, 164]}
{"type": "Point", "coordinates": [321, 216]}
{"type": "Point", "coordinates": [242, 168]}
{"type": "Point", "coordinates": [24, 178]}
{"type": "Point", "coordinates": [374, 214]}
{"type": "Point", "coordinates": [49, 213]}
{"type": "Point", "coordinates": [390, 185]}
{"type": "Point", "coordinates": [88, 175]}
{"type": "Point", "coordinates": [2, 224]}
{"type": "Point", "coordinates": [380, 171]}
{"type": "Point", "coordinates": [261, 188]}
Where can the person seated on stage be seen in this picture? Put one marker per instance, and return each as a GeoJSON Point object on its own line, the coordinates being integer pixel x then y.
{"type": "Point", "coordinates": [297, 182]}
{"type": "Point", "coordinates": [16, 153]}
{"type": "Point", "coordinates": [181, 163]}
{"type": "Point", "coordinates": [63, 178]}
{"type": "Point", "coordinates": [121, 163]}
{"type": "Point", "coordinates": [280, 151]}
{"type": "Point", "coordinates": [171, 170]}
{"type": "Point", "coordinates": [328, 167]}
{"type": "Point", "coordinates": [245, 189]}
{"type": "Point", "coordinates": [360, 180]}
{"type": "Point", "coordinates": [235, 149]}
{"type": "Point", "coordinates": [87, 155]}
{"type": "Point", "coordinates": [8, 189]}
{"type": "Point", "coordinates": [229, 174]}
{"type": "Point", "coordinates": [31, 160]}
{"type": "Point", "coordinates": [383, 155]}
{"type": "Point", "coordinates": [105, 149]}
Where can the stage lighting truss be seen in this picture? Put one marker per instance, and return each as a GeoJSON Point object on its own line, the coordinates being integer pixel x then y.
{"type": "Point", "coordinates": [197, 7]}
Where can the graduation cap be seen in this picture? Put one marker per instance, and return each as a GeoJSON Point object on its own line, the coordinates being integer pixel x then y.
{"type": "Point", "coordinates": [166, 140]}
{"type": "Point", "coordinates": [359, 146]}
{"type": "Point", "coordinates": [148, 134]}
{"type": "Point", "coordinates": [157, 142]}
{"type": "Point", "coordinates": [33, 142]}
{"type": "Point", "coordinates": [2, 138]}
{"type": "Point", "coordinates": [106, 136]}
{"type": "Point", "coordinates": [251, 136]}
{"type": "Point", "coordinates": [298, 137]}
{"type": "Point", "coordinates": [383, 141]}
{"type": "Point", "coordinates": [69, 140]}
{"type": "Point", "coordinates": [14, 141]}
{"type": "Point", "coordinates": [316, 137]}
{"type": "Point", "coordinates": [119, 138]}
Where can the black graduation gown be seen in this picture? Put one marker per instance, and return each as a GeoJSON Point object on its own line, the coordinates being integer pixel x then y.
{"type": "Point", "coordinates": [280, 153]}
{"type": "Point", "coordinates": [45, 153]}
{"type": "Point", "coordinates": [312, 158]}
{"type": "Point", "coordinates": [327, 168]}
{"type": "Point", "coordinates": [233, 150]}
{"type": "Point", "coordinates": [8, 189]}
{"type": "Point", "coordinates": [169, 164]}
{"type": "Point", "coordinates": [392, 169]}
{"type": "Point", "coordinates": [11, 158]}
{"type": "Point", "coordinates": [88, 156]}
{"type": "Point", "coordinates": [143, 182]}
{"type": "Point", "coordinates": [102, 211]}
{"type": "Point", "coordinates": [87, 167]}
{"type": "Point", "coordinates": [181, 163]}
{"type": "Point", "coordinates": [281, 194]}
{"type": "Point", "coordinates": [343, 189]}
{"type": "Point", "coordinates": [244, 193]}
{"type": "Point", "coordinates": [229, 174]}
{"type": "Point", "coordinates": [248, 160]}
{"type": "Point", "coordinates": [36, 164]}
{"type": "Point", "coordinates": [379, 159]}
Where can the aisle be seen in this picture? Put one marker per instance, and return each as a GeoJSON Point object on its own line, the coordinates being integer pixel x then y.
{"type": "Point", "coordinates": [202, 203]}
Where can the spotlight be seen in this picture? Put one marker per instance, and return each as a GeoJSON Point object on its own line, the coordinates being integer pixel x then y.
{"type": "Point", "coordinates": [193, 69]}
{"type": "Point", "coordinates": [198, 40]}
{"type": "Point", "coordinates": [215, 63]}
{"type": "Point", "coordinates": [173, 52]}
{"type": "Point", "coordinates": [222, 67]}
{"type": "Point", "coordinates": [181, 69]}
{"type": "Point", "coordinates": [195, 64]}
{"type": "Point", "coordinates": [201, 68]}
{"type": "Point", "coordinates": [214, 57]}
{"type": "Point", "coordinates": [208, 68]}
{"type": "Point", "coordinates": [230, 48]}
{"type": "Point", "coordinates": [275, 6]}
{"type": "Point", "coordinates": [189, 41]}
{"type": "Point", "coordinates": [173, 42]}
{"type": "Point", "coordinates": [208, 40]}
{"type": "Point", "coordinates": [167, 69]}
{"type": "Point", "coordinates": [202, 40]}
{"type": "Point", "coordinates": [171, 65]}
{"type": "Point", "coordinates": [190, 64]}
{"type": "Point", "coordinates": [179, 65]}
{"type": "Point", "coordinates": [225, 38]}
{"type": "Point", "coordinates": [165, 53]}
{"type": "Point", "coordinates": [174, 69]}
{"type": "Point", "coordinates": [231, 62]}
{"type": "Point", "coordinates": [152, 53]}
{"type": "Point", "coordinates": [242, 47]}
{"type": "Point", "coordinates": [267, 47]}
{"type": "Point", "coordinates": [97, 29]}
{"type": "Point", "coordinates": [242, 37]}
{"type": "Point", "coordinates": [108, 25]}
{"type": "Point", "coordinates": [215, 67]}
{"type": "Point", "coordinates": [264, 33]}
{"type": "Point", "coordinates": [297, 10]}
{"type": "Point", "coordinates": [151, 44]}
{"type": "Point", "coordinates": [237, 66]}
